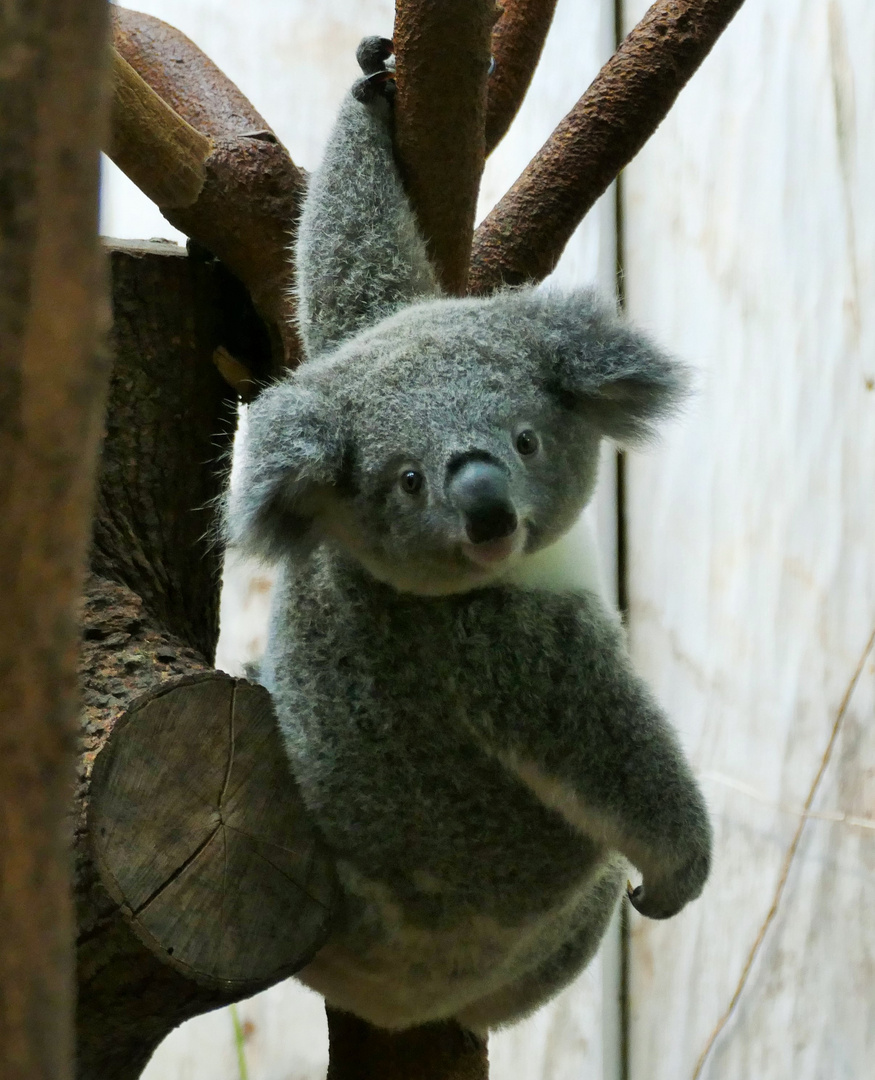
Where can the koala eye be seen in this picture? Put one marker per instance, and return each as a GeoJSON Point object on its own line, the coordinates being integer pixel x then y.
{"type": "Point", "coordinates": [527, 442]}
{"type": "Point", "coordinates": [411, 481]}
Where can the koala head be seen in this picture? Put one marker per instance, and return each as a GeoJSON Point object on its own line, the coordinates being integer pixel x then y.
{"type": "Point", "coordinates": [449, 441]}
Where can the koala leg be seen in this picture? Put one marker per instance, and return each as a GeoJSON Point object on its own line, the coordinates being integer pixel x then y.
{"type": "Point", "coordinates": [534, 988]}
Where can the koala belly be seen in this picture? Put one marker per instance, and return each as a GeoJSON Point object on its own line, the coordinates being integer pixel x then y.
{"type": "Point", "coordinates": [480, 971]}
{"type": "Point", "coordinates": [464, 895]}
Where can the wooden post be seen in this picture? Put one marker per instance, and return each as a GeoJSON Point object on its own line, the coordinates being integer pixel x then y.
{"type": "Point", "coordinates": [52, 386]}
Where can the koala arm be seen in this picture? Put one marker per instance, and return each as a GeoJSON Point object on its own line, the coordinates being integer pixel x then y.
{"type": "Point", "coordinates": [359, 254]}
{"type": "Point", "coordinates": [603, 754]}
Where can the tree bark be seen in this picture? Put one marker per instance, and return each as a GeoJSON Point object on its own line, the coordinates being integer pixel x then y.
{"type": "Point", "coordinates": [199, 879]}
{"type": "Point", "coordinates": [52, 385]}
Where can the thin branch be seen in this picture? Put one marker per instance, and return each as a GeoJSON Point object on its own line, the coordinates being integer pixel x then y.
{"type": "Point", "coordinates": [250, 197]}
{"type": "Point", "coordinates": [787, 864]}
{"type": "Point", "coordinates": [152, 144]}
{"type": "Point", "coordinates": [522, 238]}
{"type": "Point", "coordinates": [442, 52]}
{"type": "Point", "coordinates": [517, 42]}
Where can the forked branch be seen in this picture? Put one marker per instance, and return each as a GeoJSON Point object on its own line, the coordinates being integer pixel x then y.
{"type": "Point", "coordinates": [522, 238]}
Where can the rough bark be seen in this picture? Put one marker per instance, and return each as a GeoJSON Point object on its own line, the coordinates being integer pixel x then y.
{"type": "Point", "coordinates": [169, 424]}
{"type": "Point", "coordinates": [252, 189]}
{"type": "Point", "coordinates": [52, 384]}
{"type": "Point", "coordinates": [128, 999]}
{"type": "Point", "coordinates": [445, 1051]}
{"type": "Point", "coordinates": [524, 235]}
{"type": "Point", "coordinates": [442, 56]}
{"type": "Point", "coordinates": [517, 42]}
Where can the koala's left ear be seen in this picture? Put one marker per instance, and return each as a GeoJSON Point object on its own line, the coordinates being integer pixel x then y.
{"type": "Point", "coordinates": [292, 458]}
{"type": "Point", "coordinates": [603, 368]}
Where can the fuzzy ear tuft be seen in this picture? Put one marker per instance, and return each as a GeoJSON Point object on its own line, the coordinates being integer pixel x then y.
{"type": "Point", "coordinates": [292, 454]}
{"type": "Point", "coordinates": [602, 367]}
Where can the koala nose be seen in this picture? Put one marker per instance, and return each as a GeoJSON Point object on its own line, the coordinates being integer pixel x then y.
{"type": "Point", "coordinates": [481, 491]}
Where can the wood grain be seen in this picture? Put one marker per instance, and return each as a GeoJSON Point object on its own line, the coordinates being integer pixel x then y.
{"type": "Point", "coordinates": [199, 834]}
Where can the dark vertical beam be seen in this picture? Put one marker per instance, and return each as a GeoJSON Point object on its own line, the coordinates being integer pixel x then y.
{"type": "Point", "coordinates": [52, 387]}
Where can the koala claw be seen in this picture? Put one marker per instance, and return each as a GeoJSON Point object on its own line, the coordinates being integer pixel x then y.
{"type": "Point", "coordinates": [645, 905]}
{"type": "Point", "coordinates": [664, 897]}
{"type": "Point", "coordinates": [372, 54]}
{"type": "Point", "coordinates": [379, 80]}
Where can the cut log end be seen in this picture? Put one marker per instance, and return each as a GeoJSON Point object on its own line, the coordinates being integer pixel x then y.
{"type": "Point", "coordinates": [200, 835]}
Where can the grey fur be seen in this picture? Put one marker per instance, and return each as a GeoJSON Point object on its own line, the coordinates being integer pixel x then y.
{"type": "Point", "coordinates": [476, 750]}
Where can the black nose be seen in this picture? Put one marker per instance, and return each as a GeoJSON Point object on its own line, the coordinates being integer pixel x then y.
{"type": "Point", "coordinates": [490, 523]}
{"type": "Point", "coordinates": [481, 491]}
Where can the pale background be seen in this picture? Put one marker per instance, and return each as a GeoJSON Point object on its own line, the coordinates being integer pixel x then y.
{"type": "Point", "coordinates": [748, 235]}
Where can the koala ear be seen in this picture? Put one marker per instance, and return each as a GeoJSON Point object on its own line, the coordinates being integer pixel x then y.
{"type": "Point", "coordinates": [601, 367]}
{"type": "Point", "coordinates": [292, 456]}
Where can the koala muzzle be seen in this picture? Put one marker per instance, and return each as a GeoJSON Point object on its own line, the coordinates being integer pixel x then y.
{"type": "Point", "coordinates": [481, 491]}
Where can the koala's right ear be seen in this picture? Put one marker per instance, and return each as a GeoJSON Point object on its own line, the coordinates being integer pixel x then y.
{"type": "Point", "coordinates": [292, 456]}
{"type": "Point", "coordinates": [597, 364]}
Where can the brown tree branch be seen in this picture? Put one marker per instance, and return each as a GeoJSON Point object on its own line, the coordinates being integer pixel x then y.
{"type": "Point", "coordinates": [517, 42]}
{"type": "Point", "coordinates": [151, 143]}
{"type": "Point", "coordinates": [252, 189]}
{"type": "Point", "coordinates": [52, 386]}
{"type": "Point", "coordinates": [177, 70]}
{"type": "Point", "coordinates": [522, 238]}
{"type": "Point", "coordinates": [442, 55]}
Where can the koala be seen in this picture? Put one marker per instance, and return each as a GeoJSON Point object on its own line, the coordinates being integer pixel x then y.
{"type": "Point", "coordinates": [459, 710]}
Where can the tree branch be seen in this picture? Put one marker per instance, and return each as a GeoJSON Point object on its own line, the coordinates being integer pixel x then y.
{"type": "Point", "coordinates": [522, 238]}
{"type": "Point", "coordinates": [251, 191]}
{"type": "Point", "coordinates": [442, 54]}
{"type": "Point", "coordinates": [177, 70]}
{"type": "Point", "coordinates": [517, 42]}
{"type": "Point", "coordinates": [151, 143]}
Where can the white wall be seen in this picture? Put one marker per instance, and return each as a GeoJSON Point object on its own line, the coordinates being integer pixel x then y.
{"type": "Point", "coordinates": [750, 240]}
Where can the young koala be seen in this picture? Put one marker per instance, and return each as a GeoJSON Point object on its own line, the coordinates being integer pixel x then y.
{"type": "Point", "coordinates": [464, 723]}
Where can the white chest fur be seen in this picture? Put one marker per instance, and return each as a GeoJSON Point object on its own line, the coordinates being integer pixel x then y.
{"type": "Point", "coordinates": [570, 565]}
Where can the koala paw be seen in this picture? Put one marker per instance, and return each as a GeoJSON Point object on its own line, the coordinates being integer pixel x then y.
{"type": "Point", "coordinates": [372, 54]}
{"type": "Point", "coordinates": [379, 80]}
{"type": "Point", "coordinates": [662, 897]}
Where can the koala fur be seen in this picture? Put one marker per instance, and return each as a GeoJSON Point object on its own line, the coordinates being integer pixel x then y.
{"type": "Point", "coordinates": [464, 723]}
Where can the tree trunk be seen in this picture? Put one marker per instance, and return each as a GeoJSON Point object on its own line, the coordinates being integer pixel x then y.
{"type": "Point", "coordinates": [444, 1051]}
{"type": "Point", "coordinates": [52, 385]}
{"type": "Point", "coordinates": [195, 883]}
